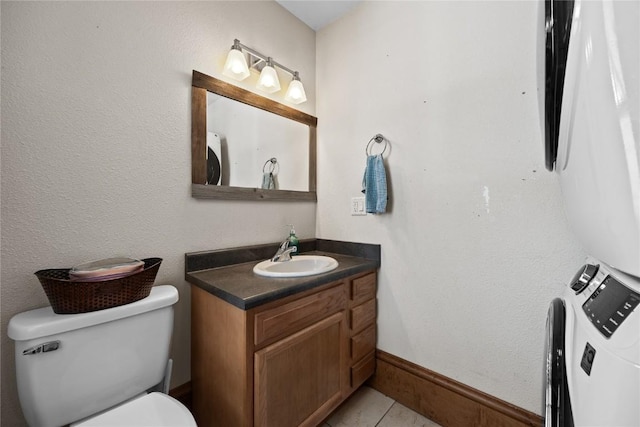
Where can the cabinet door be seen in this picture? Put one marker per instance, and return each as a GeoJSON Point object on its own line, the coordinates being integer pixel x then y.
{"type": "Point", "coordinates": [299, 379]}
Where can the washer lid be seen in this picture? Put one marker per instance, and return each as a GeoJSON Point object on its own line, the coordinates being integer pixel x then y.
{"type": "Point", "coordinates": [151, 410]}
{"type": "Point", "coordinates": [43, 322]}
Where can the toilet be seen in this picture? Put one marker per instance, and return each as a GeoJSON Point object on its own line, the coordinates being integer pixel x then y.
{"type": "Point", "coordinates": [103, 368]}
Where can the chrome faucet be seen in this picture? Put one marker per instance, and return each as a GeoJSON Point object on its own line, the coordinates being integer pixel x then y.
{"type": "Point", "coordinates": [284, 252]}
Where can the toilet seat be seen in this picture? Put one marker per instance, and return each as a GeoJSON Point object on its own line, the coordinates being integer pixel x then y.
{"type": "Point", "coordinates": [150, 410]}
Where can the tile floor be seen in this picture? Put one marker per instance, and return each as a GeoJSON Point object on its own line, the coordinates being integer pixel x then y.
{"type": "Point", "coordinates": [370, 408]}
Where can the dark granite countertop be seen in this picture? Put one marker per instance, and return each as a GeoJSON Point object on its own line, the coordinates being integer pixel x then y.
{"type": "Point", "coordinates": [237, 284]}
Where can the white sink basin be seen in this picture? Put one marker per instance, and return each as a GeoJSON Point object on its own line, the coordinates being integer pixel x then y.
{"type": "Point", "coordinates": [300, 265]}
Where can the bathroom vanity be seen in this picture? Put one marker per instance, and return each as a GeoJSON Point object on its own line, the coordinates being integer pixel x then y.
{"type": "Point", "coordinates": [280, 351]}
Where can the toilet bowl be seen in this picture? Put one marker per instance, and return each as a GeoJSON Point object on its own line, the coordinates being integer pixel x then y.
{"type": "Point", "coordinates": [100, 368]}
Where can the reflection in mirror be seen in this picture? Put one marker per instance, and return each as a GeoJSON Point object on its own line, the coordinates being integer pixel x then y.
{"type": "Point", "coordinates": [245, 139]}
{"type": "Point", "coordinates": [248, 147]}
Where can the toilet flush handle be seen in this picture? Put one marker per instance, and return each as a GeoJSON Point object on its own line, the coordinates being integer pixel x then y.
{"type": "Point", "coordinates": [42, 348]}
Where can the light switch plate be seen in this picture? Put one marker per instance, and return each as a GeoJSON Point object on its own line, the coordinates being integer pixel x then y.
{"type": "Point", "coordinates": [358, 206]}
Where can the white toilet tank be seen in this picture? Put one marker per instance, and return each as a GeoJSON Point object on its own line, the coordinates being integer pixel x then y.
{"type": "Point", "coordinates": [72, 366]}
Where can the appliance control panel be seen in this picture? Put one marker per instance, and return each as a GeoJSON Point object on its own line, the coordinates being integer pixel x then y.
{"type": "Point", "coordinates": [610, 305]}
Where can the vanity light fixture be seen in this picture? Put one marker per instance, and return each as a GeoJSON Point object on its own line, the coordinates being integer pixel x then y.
{"type": "Point", "coordinates": [268, 81]}
{"type": "Point", "coordinates": [237, 68]}
{"type": "Point", "coordinates": [295, 92]}
{"type": "Point", "coordinates": [236, 64]}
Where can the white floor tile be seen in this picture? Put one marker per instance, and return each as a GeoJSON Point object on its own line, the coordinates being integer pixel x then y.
{"type": "Point", "coordinates": [364, 409]}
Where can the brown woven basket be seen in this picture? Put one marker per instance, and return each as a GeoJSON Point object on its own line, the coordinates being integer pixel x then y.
{"type": "Point", "coordinates": [71, 297]}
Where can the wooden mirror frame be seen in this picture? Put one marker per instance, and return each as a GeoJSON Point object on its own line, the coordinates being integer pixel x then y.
{"type": "Point", "coordinates": [201, 84]}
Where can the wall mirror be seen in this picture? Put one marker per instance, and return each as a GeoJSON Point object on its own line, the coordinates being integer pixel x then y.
{"type": "Point", "coordinates": [247, 147]}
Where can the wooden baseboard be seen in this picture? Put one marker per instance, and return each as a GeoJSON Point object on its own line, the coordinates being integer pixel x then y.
{"type": "Point", "coordinates": [443, 400]}
{"type": "Point", "coordinates": [182, 393]}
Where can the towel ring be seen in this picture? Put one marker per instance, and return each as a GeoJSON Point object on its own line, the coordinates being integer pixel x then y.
{"type": "Point", "coordinates": [273, 165]}
{"type": "Point", "coordinates": [378, 138]}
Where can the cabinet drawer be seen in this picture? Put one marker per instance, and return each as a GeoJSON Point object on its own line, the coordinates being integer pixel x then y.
{"type": "Point", "coordinates": [363, 343]}
{"type": "Point", "coordinates": [363, 288]}
{"type": "Point", "coordinates": [363, 370]}
{"type": "Point", "coordinates": [363, 315]}
{"type": "Point", "coordinates": [291, 317]}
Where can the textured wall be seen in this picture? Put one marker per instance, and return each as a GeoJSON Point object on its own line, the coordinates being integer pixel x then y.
{"type": "Point", "coordinates": [476, 244]}
{"type": "Point", "coordinates": [96, 161]}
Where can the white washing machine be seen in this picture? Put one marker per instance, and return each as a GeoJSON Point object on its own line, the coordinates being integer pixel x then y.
{"type": "Point", "coordinates": [593, 351]}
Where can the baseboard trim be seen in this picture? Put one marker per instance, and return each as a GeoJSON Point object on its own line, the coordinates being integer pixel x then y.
{"type": "Point", "coordinates": [444, 400]}
{"type": "Point", "coordinates": [182, 393]}
{"type": "Point", "coordinates": [441, 399]}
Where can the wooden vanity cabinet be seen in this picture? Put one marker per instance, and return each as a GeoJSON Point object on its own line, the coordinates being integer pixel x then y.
{"type": "Point", "coordinates": [362, 328]}
{"type": "Point", "coordinates": [289, 362]}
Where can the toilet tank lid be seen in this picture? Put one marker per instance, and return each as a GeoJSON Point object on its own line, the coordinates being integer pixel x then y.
{"type": "Point", "coordinates": [43, 322]}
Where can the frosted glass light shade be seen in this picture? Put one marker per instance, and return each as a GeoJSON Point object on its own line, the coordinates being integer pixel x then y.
{"type": "Point", "coordinates": [236, 65]}
{"type": "Point", "coordinates": [295, 92]}
{"type": "Point", "coordinates": [268, 81]}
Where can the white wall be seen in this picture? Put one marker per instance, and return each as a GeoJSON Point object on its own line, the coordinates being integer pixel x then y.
{"type": "Point", "coordinates": [96, 161]}
{"type": "Point", "coordinates": [476, 244]}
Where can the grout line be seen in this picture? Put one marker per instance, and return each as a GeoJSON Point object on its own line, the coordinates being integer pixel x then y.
{"type": "Point", "coordinates": [385, 414]}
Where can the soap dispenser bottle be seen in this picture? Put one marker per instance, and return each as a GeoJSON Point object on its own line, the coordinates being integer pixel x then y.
{"type": "Point", "coordinates": [294, 243]}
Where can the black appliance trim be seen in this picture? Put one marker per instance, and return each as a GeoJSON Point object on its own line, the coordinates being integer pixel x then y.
{"type": "Point", "coordinates": [558, 18]}
{"type": "Point", "coordinates": [558, 413]}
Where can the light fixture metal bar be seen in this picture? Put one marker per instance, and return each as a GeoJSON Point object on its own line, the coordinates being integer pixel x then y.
{"type": "Point", "coordinates": [262, 57]}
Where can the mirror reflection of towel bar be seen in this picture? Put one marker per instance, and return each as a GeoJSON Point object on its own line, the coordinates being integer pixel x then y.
{"type": "Point", "coordinates": [378, 138]}
{"type": "Point", "coordinates": [274, 164]}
